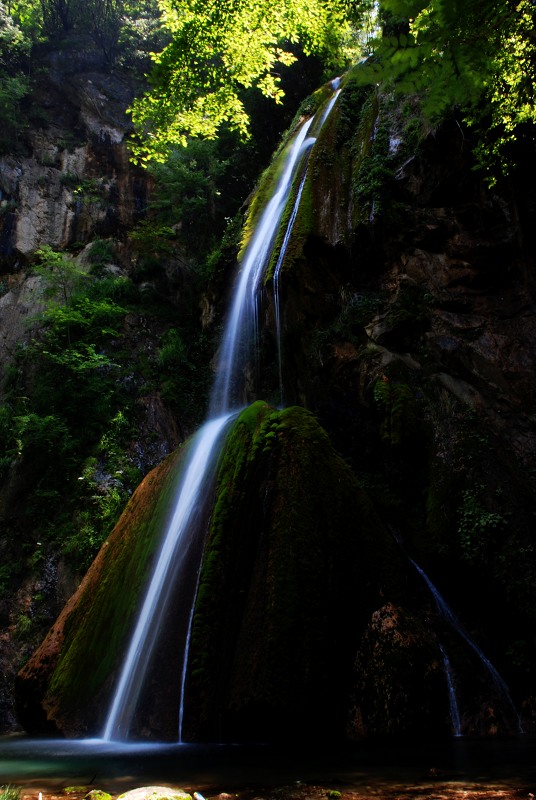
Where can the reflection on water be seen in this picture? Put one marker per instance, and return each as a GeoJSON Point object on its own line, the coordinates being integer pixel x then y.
{"type": "Point", "coordinates": [58, 763]}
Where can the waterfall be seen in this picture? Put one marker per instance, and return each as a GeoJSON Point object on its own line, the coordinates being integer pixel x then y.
{"type": "Point", "coordinates": [242, 323]}
{"type": "Point", "coordinates": [448, 615]}
{"type": "Point", "coordinates": [178, 541]}
{"type": "Point", "coordinates": [182, 537]}
{"type": "Point", "coordinates": [307, 145]}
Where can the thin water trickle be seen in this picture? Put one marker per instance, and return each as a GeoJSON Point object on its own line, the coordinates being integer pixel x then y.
{"type": "Point", "coordinates": [277, 273]}
{"type": "Point", "coordinates": [447, 614]}
{"type": "Point", "coordinates": [453, 700]}
{"type": "Point", "coordinates": [307, 146]}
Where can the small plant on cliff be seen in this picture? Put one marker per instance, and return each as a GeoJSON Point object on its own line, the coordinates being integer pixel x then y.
{"type": "Point", "coordinates": [61, 275]}
{"type": "Point", "coordinates": [478, 526]}
{"type": "Point", "coordinates": [396, 402]}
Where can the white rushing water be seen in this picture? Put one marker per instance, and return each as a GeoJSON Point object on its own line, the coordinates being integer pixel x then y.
{"type": "Point", "coordinates": [241, 328]}
{"type": "Point", "coordinates": [182, 534]}
{"type": "Point", "coordinates": [177, 541]}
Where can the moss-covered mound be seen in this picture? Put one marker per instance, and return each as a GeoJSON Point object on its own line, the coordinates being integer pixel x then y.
{"type": "Point", "coordinates": [295, 562]}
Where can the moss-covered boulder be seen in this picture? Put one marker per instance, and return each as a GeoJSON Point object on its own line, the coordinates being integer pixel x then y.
{"type": "Point", "coordinates": [296, 560]}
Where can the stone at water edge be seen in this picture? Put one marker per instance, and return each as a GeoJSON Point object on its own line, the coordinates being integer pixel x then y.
{"type": "Point", "coordinates": [97, 794]}
{"type": "Point", "coordinates": [155, 793]}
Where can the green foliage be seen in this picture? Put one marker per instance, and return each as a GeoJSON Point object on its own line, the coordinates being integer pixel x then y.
{"type": "Point", "coordinates": [141, 35]}
{"type": "Point", "coordinates": [71, 410]}
{"type": "Point", "coordinates": [86, 319]}
{"type": "Point", "coordinates": [66, 399]}
{"type": "Point", "coordinates": [184, 372]}
{"type": "Point", "coordinates": [217, 51]}
{"type": "Point", "coordinates": [125, 32]}
{"type": "Point", "coordinates": [14, 83]}
{"type": "Point", "coordinates": [24, 626]}
{"type": "Point", "coordinates": [375, 175]}
{"type": "Point", "coordinates": [473, 55]}
{"type": "Point", "coordinates": [37, 435]}
{"type": "Point", "coordinates": [478, 526]}
{"type": "Point", "coordinates": [187, 192]}
{"type": "Point", "coordinates": [13, 88]}
{"type": "Point", "coordinates": [396, 401]}
{"type": "Point", "coordinates": [152, 241]}
{"type": "Point", "coordinates": [101, 252]}
{"type": "Point", "coordinates": [61, 275]}
{"type": "Point", "coordinates": [102, 493]}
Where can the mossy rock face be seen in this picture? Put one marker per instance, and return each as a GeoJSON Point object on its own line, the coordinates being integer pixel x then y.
{"type": "Point", "coordinates": [294, 564]}
{"type": "Point", "coordinates": [65, 686]}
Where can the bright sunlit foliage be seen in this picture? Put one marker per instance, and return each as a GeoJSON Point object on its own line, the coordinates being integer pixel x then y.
{"type": "Point", "coordinates": [478, 56]}
{"type": "Point", "coordinates": [221, 47]}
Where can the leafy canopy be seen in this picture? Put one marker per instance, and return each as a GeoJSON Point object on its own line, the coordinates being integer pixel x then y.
{"type": "Point", "coordinates": [476, 55]}
{"type": "Point", "coordinates": [219, 48]}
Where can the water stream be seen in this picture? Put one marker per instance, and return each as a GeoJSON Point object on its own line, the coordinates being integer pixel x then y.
{"type": "Point", "coordinates": [307, 145]}
{"type": "Point", "coordinates": [178, 540]}
{"type": "Point", "coordinates": [448, 615]}
{"type": "Point", "coordinates": [182, 535]}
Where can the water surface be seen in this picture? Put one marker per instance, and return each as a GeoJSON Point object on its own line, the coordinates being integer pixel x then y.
{"type": "Point", "coordinates": [54, 764]}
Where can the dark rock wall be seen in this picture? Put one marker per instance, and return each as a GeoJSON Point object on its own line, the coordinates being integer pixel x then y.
{"type": "Point", "coordinates": [409, 330]}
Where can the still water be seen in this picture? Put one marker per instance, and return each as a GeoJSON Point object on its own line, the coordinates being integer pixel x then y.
{"type": "Point", "coordinates": [55, 764]}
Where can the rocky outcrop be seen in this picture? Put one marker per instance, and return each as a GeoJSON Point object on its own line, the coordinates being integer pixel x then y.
{"type": "Point", "coordinates": [275, 594]}
{"type": "Point", "coordinates": [76, 183]}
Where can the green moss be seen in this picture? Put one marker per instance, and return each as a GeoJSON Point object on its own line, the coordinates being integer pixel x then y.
{"type": "Point", "coordinates": [95, 630]}
{"type": "Point", "coordinates": [289, 529]}
{"type": "Point", "coordinates": [98, 794]}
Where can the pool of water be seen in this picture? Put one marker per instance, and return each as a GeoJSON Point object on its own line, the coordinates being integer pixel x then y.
{"type": "Point", "coordinates": [56, 763]}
